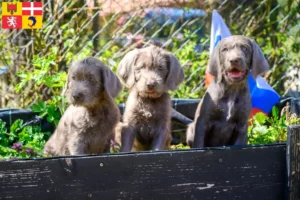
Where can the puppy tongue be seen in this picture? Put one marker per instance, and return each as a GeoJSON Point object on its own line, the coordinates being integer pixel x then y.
{"type": "Point", "coordinates": [236, 74]}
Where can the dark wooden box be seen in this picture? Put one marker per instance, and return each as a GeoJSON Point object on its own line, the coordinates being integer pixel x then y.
{"type": "Point", "coordinates": [254, 172]}
{"type": "Point", "coordinates": [266, 172]}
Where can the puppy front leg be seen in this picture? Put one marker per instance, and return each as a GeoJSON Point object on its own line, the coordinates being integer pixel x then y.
{"type": "Point", "coordinates": [127, 138]}
{"type": "Point", "coordinates": [200, 131]}
{"type": "Point", "coordinates": [241, 135]}
{"type": "Point", "coordinates": [190, 134]}
{"type": "Point", "coordinates": [159, 142]}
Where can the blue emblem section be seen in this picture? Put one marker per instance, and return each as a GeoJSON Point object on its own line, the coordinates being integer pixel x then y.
{"type": "Point", "coordinates": [218, 38]}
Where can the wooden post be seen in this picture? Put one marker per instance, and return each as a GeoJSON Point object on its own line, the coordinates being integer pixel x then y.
{"type": "Point", "coordinates": [293, 162]}
{"type": "Point", "coordinates": [4, 87]}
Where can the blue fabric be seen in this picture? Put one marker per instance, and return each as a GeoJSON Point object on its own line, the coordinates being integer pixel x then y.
{"type": "Point", "coordinates": [262, 99]}
{"type": "Point", "coordinates": [218, 39]}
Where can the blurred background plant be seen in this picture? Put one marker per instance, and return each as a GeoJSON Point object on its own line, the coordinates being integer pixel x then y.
{"type": "Point", "coordinates": [37, 60]}
{"type": "Point", "coordinates": [33, 63]}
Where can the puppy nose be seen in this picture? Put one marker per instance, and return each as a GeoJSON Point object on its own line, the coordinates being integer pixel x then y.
{"type": "Point", "coordinates": [151, 84]}
{"type": "Point", "coordinates": [235, 60]}
{"type": "Point", "coordinates": [77, 96]}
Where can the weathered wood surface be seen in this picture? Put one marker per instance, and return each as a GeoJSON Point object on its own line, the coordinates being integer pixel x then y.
{"type": "Point", "coordinates": [293, 162]}
{"type": "Point", "coordinates": [249, 173]}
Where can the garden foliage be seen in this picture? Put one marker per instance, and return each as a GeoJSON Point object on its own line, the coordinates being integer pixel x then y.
{"type": "Point", "coordinates": [38, 61]}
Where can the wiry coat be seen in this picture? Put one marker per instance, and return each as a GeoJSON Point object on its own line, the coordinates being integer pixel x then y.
{"type": "Point", "coordinates": [88, 124]}
{"type": "Point", "coordinates": [149, 73]}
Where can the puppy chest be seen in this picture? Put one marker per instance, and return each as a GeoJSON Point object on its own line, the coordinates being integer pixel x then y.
{"type": "Point", "coordinates": [149, 125]}
{"type": "Point", "coordinates": [146, 133]}
{"type": "Point", "coordinates": [149, 115]}
{"type": "Point", "coordinates": [232, 111]}
{"type": "Point", "coordinates": [92, 132]}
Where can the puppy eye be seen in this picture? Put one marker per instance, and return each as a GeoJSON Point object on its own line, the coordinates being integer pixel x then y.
{"type": "Point", "coordinates": [244, 48]}
{"type": "Point", "coordinates": [73, 77]}
{"type": "Point", "coordinates": [225, 49]}
{"type": "Point", "coordinates": [160, 68]}
{"type": "Point", "coordinates": [91, 78]}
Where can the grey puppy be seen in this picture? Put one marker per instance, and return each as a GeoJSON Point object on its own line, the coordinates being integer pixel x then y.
{"type": "Point", "coordinates": [149, 73]}
{"type": "Point", "coordinates": [221, 118]}
{"type": "Point", "coordinates": [88, 124]}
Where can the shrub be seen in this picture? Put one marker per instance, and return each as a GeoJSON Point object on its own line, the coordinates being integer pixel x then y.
{"type": "Point", "coordinates": [22, 141]}
{"type": "Point", "coordinates": [266, 130]}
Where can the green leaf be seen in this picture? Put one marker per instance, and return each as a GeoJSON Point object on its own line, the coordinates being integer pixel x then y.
{"type": "Point", "coordinates": [260, 129]}
{"type": "Point", "coordinates": [260, 118]}
{"type": "Point", "coordinates": [38, 107]}
{"type": "Point", "coordinates": [275, 113]}
{"type": "Point", "coordinates": [16, 126]}
{"type": "Point", "coordinates": [3, 130]}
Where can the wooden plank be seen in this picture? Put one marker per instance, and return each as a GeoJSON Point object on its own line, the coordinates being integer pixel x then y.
{"type": "Point", "coordinates": [231, 173]}
{"type": "Point", "coordinates": [293, 162]}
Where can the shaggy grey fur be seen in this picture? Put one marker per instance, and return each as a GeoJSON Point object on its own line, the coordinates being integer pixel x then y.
{"type": "Point", "coordinates": [89, 123]}
{"type": "Point", "coordinates": [149, 73]}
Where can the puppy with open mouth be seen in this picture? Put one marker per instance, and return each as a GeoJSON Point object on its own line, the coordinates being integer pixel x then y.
{"type": "Point", "coordinates": [221, 118]}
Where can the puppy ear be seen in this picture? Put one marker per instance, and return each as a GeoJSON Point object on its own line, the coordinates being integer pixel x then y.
{"type": "Point", "coordinates": [214, 66]}
{"type": "Point", "coordinates": [111, 82]}
{"type": "Point", "coordinates": [259, 63]}
{"type": "Point", "coordinates": [176, 74]}
{"type": "Point", "coordinates": [125, 68]}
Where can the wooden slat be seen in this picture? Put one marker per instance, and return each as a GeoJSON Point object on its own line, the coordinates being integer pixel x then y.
{"type": "Point", "coordinates": [249, 173]}
{"type": "Point", "coordinates": [293, 162]}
